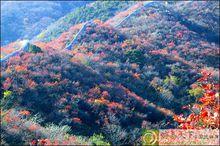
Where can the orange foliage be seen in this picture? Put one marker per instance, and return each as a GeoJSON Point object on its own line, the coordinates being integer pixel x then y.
{"type": "Point", "coordinates": [134, 66]}
{"type": "Point", "coordinates": [50, 84]}
{"type": "Point", "coordinates": [79, 57]}
{"type": "Point", "coordinates": [10, 117]}
{"type": "Point", "coordinates": [107, 103]}
{"type": "Point", "coordinates": [77, 120]}
{"type": "Point", "coordinates": [207, 115]}
{"type": "Point", "coordinates": [97, 21]}
{"type": "Point", "coordinates": [153, 15]}
{"type": "Point", "coordinates": [40, 44]}
{"type": "Point", "coordinates": [112, 64]}
{"type": "Point", "coordinates": [8, 70]}
{"type": "Point", "coordinates": [24, 112]}
{"type": "Point", "coordinates": [31, 83]}
{"type": "Point", "coordinates": [160, 51]}
{"type": "Point", "coordinates": [20, 68]}
{"type": "Point", "coordinates": [124, 44]}
{"type": "Point", "coordinates": [101, 101]}
{"type": "Point", "coordinates": [136, 75]}
{"type": "Point", "coordinates": [10, 48]}
{"type": "Point", "coordinates": [94, 91]}
{"type": "Point", "coordinates": [7, 83]}
{"type": "Point", "coordinates": [32, 127]}
{"type": "Point", "coordinates": [115, 105]}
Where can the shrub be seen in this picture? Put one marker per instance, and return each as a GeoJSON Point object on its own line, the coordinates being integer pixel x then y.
{"type": "Point", "coordinates": [8, 99]}
{"type": "Point", "coordinates": [172, 79]}
{"type": "Point", "coordinates": [34, 49]}
{"type": "Point", "coordinates": [135, 56]}
{"type": "Point", "coordinates": [98, 140]}
{"type": "Point", "coordinates": [196, 92]}
{"type": "Point", "coordinates": [115, 134]}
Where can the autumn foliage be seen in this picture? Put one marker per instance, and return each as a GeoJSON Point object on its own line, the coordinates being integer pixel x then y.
{"type": "Point", "coordinates": [205, 113]}
{"type": "Point", "coordinates": [153, 71]}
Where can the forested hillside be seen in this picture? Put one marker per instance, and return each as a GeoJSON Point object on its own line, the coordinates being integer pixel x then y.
{"type": "Point", "coordinates": [107, 70]}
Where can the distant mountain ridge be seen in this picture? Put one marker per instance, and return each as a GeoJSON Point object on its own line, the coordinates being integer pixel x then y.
{"type": "Point", "coordinates": [24, 20]}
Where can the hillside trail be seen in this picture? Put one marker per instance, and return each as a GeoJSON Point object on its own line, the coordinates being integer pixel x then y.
{"type": "Point", "coordinates": [74, 40]}
{"type": "Point", "coordinates": [124, 15]}
{"type": "Point", "coordinates": [23, 47]}
{"type": "Point", "coordinates": [121, 17]}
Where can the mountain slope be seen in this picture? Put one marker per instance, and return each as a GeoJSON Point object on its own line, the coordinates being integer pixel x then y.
{"type": "Point", "coordinates": [114, 81]}
{"type": "Point", "coordinates": [24, 20]}
{"type": "Point", "coordinates": [105, 10]}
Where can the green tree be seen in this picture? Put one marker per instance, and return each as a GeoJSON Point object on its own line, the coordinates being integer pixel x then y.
{"type": "Point", "coordinates": [196, 92]}
{"type": "Point", "coordinates": [172, 79]}
{"type": "Point", "coordinates": [98, 140]}
{"type": "Point", "coordinates": [135, 56]}
{"type": "Point", "coordinates": [34, 49]}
